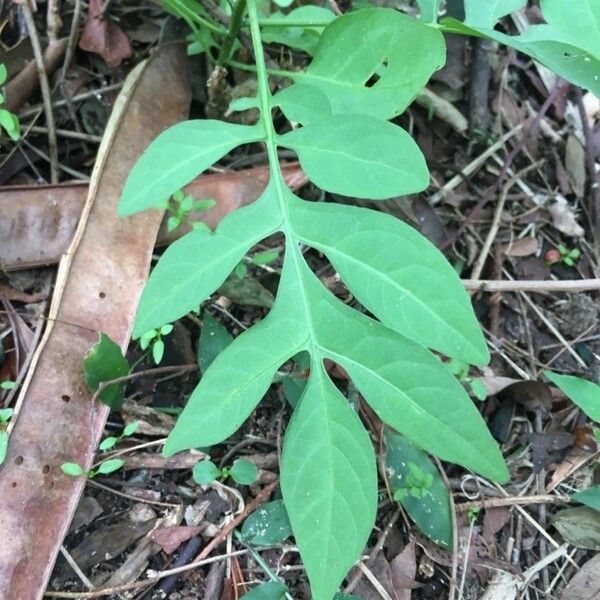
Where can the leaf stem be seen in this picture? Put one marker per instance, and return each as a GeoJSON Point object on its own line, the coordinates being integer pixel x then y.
{"type": "Point", "coordinates": [234, 28]}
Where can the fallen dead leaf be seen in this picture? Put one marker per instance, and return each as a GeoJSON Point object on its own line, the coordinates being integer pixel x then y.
{"type": "Point", "coordinates": [38, 222]}
{"type": "Point", "coordinates": [22, 86]}
{"type": "Point", "coordinates": [564, 219]}
{"type": "Point", "coordinates": [170, 538]}
{"type": "Point", "coordinates": [97, 289]}
{"type": "Point", "coordinates": [403, 570]}
{"type": "Point", "coordinates": [102, 36]}
{"type": "Point", "coordinates": [524, 247]}
{"type": "Point", "coordinates": [585, 584]}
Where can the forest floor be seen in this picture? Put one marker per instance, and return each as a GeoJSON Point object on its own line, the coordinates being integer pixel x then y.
{"type": "Point", "coordinates": [510, 204]}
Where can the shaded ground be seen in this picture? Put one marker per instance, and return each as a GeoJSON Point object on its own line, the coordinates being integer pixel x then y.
{"type": "Point", "coordinates": [510, 200]}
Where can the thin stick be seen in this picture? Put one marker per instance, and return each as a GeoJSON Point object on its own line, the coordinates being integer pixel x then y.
{"type": "Point", "coordinates": [71, 43]}
{"type": "Point", "coordinates": [74, 135]}
{"type": "Point", "coordinates": [145, 583]}
{"type": "Point", "coordinates": [82, 576]}
{"type": "Point", "coordinates": [510, 501]}
{"type": "Point", "coordinates": [473, 166]}
{"type": "Point", "coordinates": [556, 93]}
{"type": "Point", "coordinates": [45, 88]}
{"type": "Point", "coordinates": [83, 96]}
{"type": "Point", "coordinates": [552, 286]}
{"type": "Point", "coordinates": [493, 232]}
{"type": "Point", "coordinates": [374, 581]}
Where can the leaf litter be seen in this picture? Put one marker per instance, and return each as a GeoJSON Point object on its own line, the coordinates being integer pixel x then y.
{"type": "Point", "coordinates": [523, 346]}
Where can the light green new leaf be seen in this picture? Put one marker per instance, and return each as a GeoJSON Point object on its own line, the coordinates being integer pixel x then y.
{"type": "Point", "coordinates": [194, 266]}
{"type": "Point", "coordinates": [374, 42]}
{"type": "Point", "coordinates": [329, 484]}
{"type": "Point", "coordinates": [238, 378]}
{"type": "Point", "coordinates": [486, 13]}
{"type": "Point", "coordinates": [178, 155]}
{"type": "Point", "coordinates": [359, 156]}
{"type": "Point", "coordinates": [429, 10]}
{"type": "Point", "coordinates": [431, 512]}
{"type": "Point", "coordinates": [582, 392]}
{"type": "Point", "coordinates": [395, 273]}
{"type": "Point", "coordinates": [3, 73]}
{"type": "Point", "coordinates": [302, 103]}
{"type": "Point", "coordinates": [409, 389]}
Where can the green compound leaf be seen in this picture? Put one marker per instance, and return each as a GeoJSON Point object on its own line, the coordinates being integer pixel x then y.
{"type": "Point", "coordinates": [371, 42]}
{"type": "Point", "coordinates": [3, 73]}
{"type": "Point", "coordinates": [567, 44]}
{"type": "Point", "coordinates": [238, 378]}
{"type": "Point", "coordinates": [194, 266]}
{"type": "Point", "coordinates": [369, 64]}
{"type": "Point", "coordinates": [268, 525]}
{"type": "Point", "coordinates": [303, 103]}
{"type": "Point", "coordinates": [408, 387]}
{"type": "Point", "coordinates": [104, 362]}
{"type": "Point", "coordinates": [359, 156]}
{"type": "Point", "coordinates": [178, 155]}
{"type": "Point", "coordinates": [329, 483]}
{"type": "Point", "coordinates": [395, 273]}
{"type": "Point", "coordinates": [582, 392]}
{"type": "Point", "coordinates": [431, 512]}
{"type": "Point", "coordinates": [578, 22]}
{"type": "Point", "coordinates": [272, 590]}
{"type": "Point", "coordinates": [487, 13]}
{"type": "Point", "coordinates": [244, 472]}
{"type": "Point", "coordinates": [302, 38]}
{"type": "Point", "coordinates": [429, 10]}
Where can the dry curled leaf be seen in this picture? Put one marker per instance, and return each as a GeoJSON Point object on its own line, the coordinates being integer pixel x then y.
{"type": "Point", "coordinates": [104, 37]}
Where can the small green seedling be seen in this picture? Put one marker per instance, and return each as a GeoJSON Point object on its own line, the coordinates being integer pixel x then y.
{"type": "Point", "coordinates": [562, 254]}
{"type": "Point", "coordinates": [241, 471]}
{"type": "Point", "coordinates": [180, 208]}
{"type": "Point", "coordinates": [569, 257]}
{"type": "Point", "coordinates": [417, 484]}
{"type": "Point", "coordinates": [105, 468]}
{"type": "Point", "coordinates": [112, 440]}
{"type": "Point", "coordinates": [153, 339]}
{"type": "Point", "coordinates": [8, 385]}
{"type": "Point", "coordinates": [5, 416]}
{"type": "Point", "coordinates": [473, 513]}
{"type": "Point", "coordinates": [474, 385]}
{"type": "Point", "coordinates": [8, 121]}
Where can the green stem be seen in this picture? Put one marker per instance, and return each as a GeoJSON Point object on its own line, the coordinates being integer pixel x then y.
{"type": "Point", "coordinates": [234, 28]}
{"type": "Point", "coordinates": [190, 17]}
{"type": "Point", "coordinates": [276, 180]}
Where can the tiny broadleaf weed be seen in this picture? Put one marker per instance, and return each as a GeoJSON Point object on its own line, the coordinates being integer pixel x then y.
{"type": "Point", "coordinates": [345, 145]}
